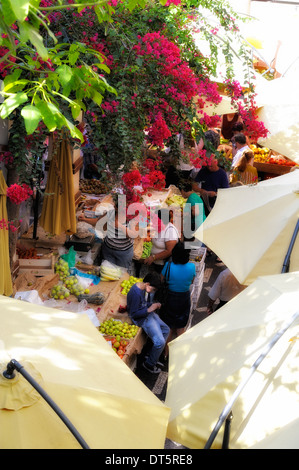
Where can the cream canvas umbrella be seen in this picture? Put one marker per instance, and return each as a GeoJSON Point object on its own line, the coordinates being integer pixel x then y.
{"type": "Point", "coordinates": [250, 227]}
{"type": "Point", "coordinates": [211, 360]}
{"type": "Point", "coordinates": [224, 107]}
{"type": "Point", "coordinates": [280, 115]}
{"type": "Point", "coordinates": [66, 355]}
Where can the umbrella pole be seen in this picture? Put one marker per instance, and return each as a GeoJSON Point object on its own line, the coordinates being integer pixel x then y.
{"type": "Point", "coordinates": [286, 263]}
{"type": "Point", "coordinates": [35, 215]}
{"type": "Point", "coordinates": [9, 374]}
{"type": "Point", "coordinates": [227, 409]}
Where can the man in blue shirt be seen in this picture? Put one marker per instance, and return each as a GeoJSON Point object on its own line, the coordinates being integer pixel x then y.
{"type": "Point", "coordinates": [207, 182]}
{"type": "Point", "coordinates": [141, 310]}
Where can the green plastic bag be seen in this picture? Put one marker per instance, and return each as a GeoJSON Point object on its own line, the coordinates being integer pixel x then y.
{"type": "Point", "coordinates": [70, 257]}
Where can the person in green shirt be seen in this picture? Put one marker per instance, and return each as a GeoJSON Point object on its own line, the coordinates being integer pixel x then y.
{"type": "Point", "coordinates": [195, 205]}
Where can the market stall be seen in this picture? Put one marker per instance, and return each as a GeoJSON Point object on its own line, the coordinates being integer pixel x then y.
{"type": "Point", "coordinates": [270, 163]}
{"type": "Point", "coordinates": [101, 301]}
{"type": "Point", "coordinates": [65, 271]}
{"type": "Point", "coordinates": [267, 162]}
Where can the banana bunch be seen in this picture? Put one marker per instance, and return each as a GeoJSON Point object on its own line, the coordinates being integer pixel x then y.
{"type": "Point", "coordinates": [110, 274]}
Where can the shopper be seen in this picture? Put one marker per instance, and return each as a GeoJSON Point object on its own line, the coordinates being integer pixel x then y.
{"type": "Point", "coordinates": [239, 146]}
{"type": "Point", "coordinates": [224, 289]}
{"type": "Point", "coordinates": [179, 274]}
{"type": "Point", "coordinates": [244, 171]}
{"type": "Point", "coordinates": [142, 312]}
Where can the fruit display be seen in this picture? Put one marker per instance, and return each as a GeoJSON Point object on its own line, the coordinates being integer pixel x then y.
{"type": "Point", "coordinates": [119, 329]}
{"type": "Point", "coordinates": [176, 200]}
{"type": "Point", "coordinates": [280, 160]}
{"type": "Point", "coordinates": [127, 284]}
{"type": "Point", "coordinates": [264, 155]}
{"type": "Point", "coordinates": [98, 298]}
{"type": "Point", "coordinates": [108, 273]}
{"type": "Point", "coordinates": [74, 286]}
{"type": "Point", "coordinates": [261, 154]}
{"type": "Point", "coordinates": [59, 291]}
{"type": "Point", "coordinates": [27, 253]}
{"type": "Point", "coordinates": [92, 186]}
{"type": "Point", "coordinates": [61, 267]}
{"type": "Point", "coordinates": [147, 247]}
{"type": "Point", "coordinates": [119, 346]}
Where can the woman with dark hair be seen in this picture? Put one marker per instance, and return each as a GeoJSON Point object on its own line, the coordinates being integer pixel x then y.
{"type": "Point", "coordinates": [194, 209]}
{"type": "Point", "coordinates": [179, 274]}
{"type": "Point", "coordinates": [117, 247]}
{"type": "Point", "coordinates": [164, 241]}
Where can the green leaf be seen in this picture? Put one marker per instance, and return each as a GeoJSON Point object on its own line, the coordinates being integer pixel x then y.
{"type": "Point", "coordinates": [12, 103]}
{"type": "Point", "coordinates": [47, 115]}
{"type": "Point", "coordinates": [15, 86]}
{"type": "Point", "coordinates": [12, 77]}
{"type": "Point", "coordinates": [73, 57]}
{"type": "Point", "coordinates": [103, 67]}
{"type": "Point", "coordinates": [76, 109]}
{"type": "Point", "coordinates": [32, 116]}
{"type": "Point", "coordinates": [73, 129]}
{"type": "Point", "coordinates": [132, 4]}
{"type": "Point", "coordinates": [29, 33]}
{"type": "Point", "coordinates": [57, 115]}
{"type": "Point", "coordinates": [15, 10]}
{"type": "Point", "coordinates": [65, 74]}
{"type": "Point", "coordinates": [97, 97]}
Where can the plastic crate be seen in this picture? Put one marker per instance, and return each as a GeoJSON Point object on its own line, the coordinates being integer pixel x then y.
{"type": "Point", "coordinates": [198, 256]}
{"type": "Point", "coordinates": [197, 287]}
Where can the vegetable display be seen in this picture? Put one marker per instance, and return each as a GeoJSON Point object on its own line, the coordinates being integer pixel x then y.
{"type": "Point", "coordinates": [147, 247]}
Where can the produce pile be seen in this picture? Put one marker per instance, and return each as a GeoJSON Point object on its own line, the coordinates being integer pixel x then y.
{"type": "Point", "coordinates": [108, 273]}
{"type": "Point", "coordinates": [147, 247]}
{"type": "Point", "coordinates": [61, 267]}
{"type": "Point", "coordinates": [68, 285]}
{"type": "Point", "coordinates": [27, 253]}
{"type": "Point", "coordinates": [280, 160]}
{"type": "Point", "coordinates": [92, 186]}
{"type": "Point", "coordinates": [119, 346]}
{"type": "Point", "coordinates": [261, 154]}
{"type": "Point", "coordinates": [127, 284]}
{"type": "Point", "coordinates": [119, 329]}
{"type": "Point", "coordinates": [59, 291]}
{"type": "Point", "coordinates": [74, 286]}
{"type": "Point", "coordinates": [176, 200]}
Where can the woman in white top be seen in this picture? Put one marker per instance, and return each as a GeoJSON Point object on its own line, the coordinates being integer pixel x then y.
{"type": "Point", "coordinates": [163, 243]}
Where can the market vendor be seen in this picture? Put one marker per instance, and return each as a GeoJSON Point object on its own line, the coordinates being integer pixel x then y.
{"type": "Point", "coordinates": [239, 146]}
{"type": "Point", "coordinates": [163, 242]}
{"type": "Point", "coordinates": [117, 245]}
{"type": "Point", "coordinates": [90, 162]}
{"type": "Point", "coordinates": [195, 206]}
{"type": "Point", "coordinates": [208, 180]}
{"type": "Point", "coordinates": [228, 122]}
